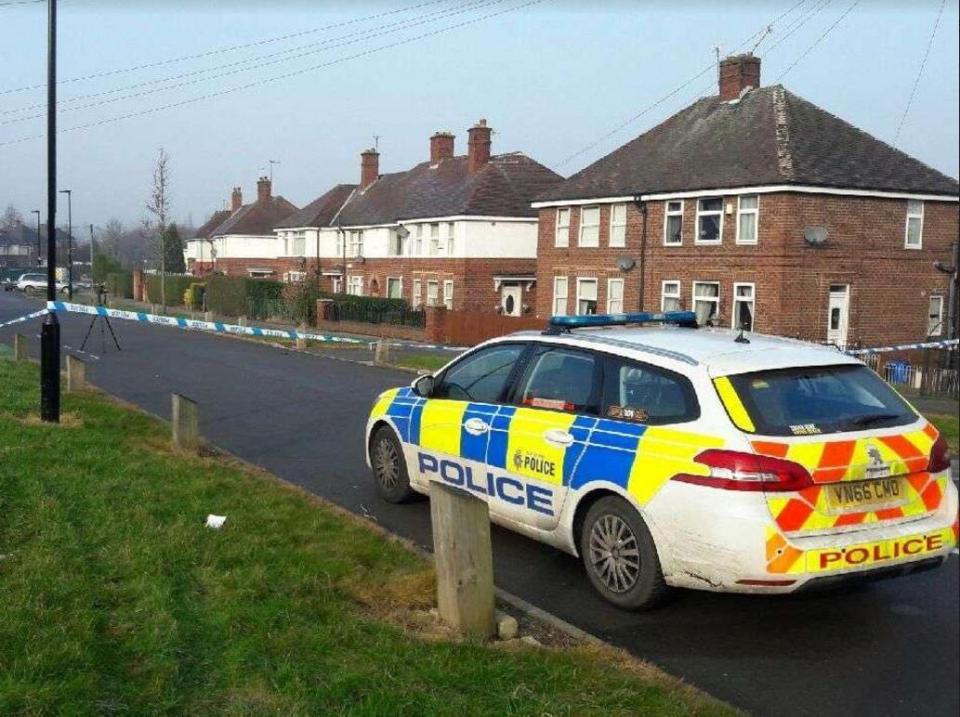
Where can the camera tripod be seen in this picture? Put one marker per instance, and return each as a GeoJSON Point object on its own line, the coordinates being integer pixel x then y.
{"type": "Point", "coordinates": [104, 321]}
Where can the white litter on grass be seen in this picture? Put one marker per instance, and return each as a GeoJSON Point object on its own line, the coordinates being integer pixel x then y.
{"type": "Point", "coordinates": [215, 521]}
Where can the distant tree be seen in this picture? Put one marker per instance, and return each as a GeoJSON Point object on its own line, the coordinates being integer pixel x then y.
{"type": "Point", "coordinates": [159, 206]}
{"type": "Point", "coordinates": [173, 251]}
{"type": "Point", "coordinates": [10, 218]}
{"type": "Point", "coordinates": [104, 264]}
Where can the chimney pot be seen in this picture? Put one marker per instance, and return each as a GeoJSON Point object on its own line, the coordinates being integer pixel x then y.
{"type": "Point", "coordinates": [738, 74]}
{"type": "Point", "coordinates": [369, 167]}
{"type": "Point", "coordinates": [264, 189]}
{"type": "Point", "coordinates": [478, 146]}
{"type": "Point", "coordinates": [441, 146]}
{"type": "Point", "coordinates": [236, 199]}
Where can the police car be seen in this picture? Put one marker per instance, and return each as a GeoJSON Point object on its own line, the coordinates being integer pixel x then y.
{"type": "Point", "coordinates": [665, 455]}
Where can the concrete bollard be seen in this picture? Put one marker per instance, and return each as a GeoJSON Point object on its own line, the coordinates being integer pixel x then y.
{"type": "Point", "coordinates": [154, 309]}
{"type": "Point", "coordinates": [208, 316]}
{"type": "Point", "coordinates": [185, 423]}
{"type": "Point", "coordinates": [464, 561]}
{"type": "Point", "coordinates": [241, 321]}
{"type": "Point", "coordinates": [20, 348]}
{"type": "Point", "coordinates": [381, 353]}
{"type": "Point", "coordinates": [76, 374]}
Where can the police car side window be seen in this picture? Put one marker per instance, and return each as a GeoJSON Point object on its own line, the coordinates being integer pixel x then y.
{"type": "Point", "coordinates": [561, 380]}
{"type": "Point", "coordinates": [482, 376]}
{"type": "Point", "coordinates": [640, 393]}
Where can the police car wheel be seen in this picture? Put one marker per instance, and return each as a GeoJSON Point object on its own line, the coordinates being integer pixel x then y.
{"type": "Point", "coordinates": [620, 557]}
{"type": "Point", "coordinates": [389, 467]}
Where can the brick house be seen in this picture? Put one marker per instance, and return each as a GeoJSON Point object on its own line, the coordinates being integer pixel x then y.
{"type": "Point", "coordinates": [198, 254]}
{"type": "Point", "coordinates": [755, 208]}
{"type": "Point", "coordinates": [18, 248]}
{"type": "Point", "coordinates": [454, 230]}
{"type": "Point", "coordinates": [244, 243]}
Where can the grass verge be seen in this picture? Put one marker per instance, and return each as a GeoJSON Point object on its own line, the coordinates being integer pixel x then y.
{"type": "Point", "coordinates": [423, 362]}
{"type": "Point", "coordinates": [949, 426]}
{"type": "Point", "coordinates": [116, 599]}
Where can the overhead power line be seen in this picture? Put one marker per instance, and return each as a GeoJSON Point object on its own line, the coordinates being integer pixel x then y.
{"type": "Point", "coordinates": [286, 75]}
{"type": "Point", "coordinates": [796, 24]}
{"type": "Point", "coordinates": [819, 39]}
{"type": "Point", "coordinates": [245, 65]}
{"type": "Point", "coordinates": [222, 50]}
{"type": "Point", "coordinates": [916, 82]}
{"type": "Point", "coordinates": [10, 3]}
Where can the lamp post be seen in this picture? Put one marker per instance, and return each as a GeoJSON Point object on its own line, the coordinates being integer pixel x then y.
{"type": "Point", "coordinates": [50, 329]}
{"type": "Point", "coordinates": [69, 193]}
{"type": "Point", "coordinates": [39, 250]}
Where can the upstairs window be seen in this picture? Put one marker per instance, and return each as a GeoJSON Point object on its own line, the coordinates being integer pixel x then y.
{"type": "Point", "coordinates": [670, 296]}
{"type": "Point", "coordinates": [590, 226]}
{"type": "Point", "coordinates": [397, 244]}
{"type": "Point", "coordinates": [748, 208]}
{"type": "Point", "coordinates": [914, 230]}
{"type": "Point", "coordinates": [673, 224]}
{"type": "Point", "coordinates": [618, 225]}
{"type": "Point", "coordinates": [434, 239]}
{"type": "Point", "coordinates": [710, 221]}
{"type": "Point", "coordinates": [935, 317]}
{"type": "Point", "coordinates": [356, 243]}
{"type": "Point", "coordinates": [418, 240]}
{"type": "Point", "coordinates": [451, 245]}
{"type": "Point", "coordinates": [563, 227]}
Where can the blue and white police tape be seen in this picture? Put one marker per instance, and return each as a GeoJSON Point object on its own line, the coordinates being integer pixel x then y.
{"type": "Point", "coordinates": [21, 319]}
{"type": "Point", "coordinates": [214, 326]}
{"type": "Point", "coordinates": [945, 344]}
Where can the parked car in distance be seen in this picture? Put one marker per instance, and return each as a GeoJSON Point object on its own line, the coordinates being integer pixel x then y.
{"type": "Point", "coordinates": [36, 283]}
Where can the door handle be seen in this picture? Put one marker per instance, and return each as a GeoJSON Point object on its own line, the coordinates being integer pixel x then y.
{"type": "Point", "coordinates": [476, 426]}
{"type": "Point", "coordinates": [558, 437]}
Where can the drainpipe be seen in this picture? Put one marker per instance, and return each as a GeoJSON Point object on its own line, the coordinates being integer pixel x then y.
{"type": "Point", "coordinates": [642, 208]}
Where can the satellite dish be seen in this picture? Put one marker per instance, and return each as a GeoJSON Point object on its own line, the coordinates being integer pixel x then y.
{"type": "Point", "coordinates": [403, 232]}
{"type": "Point", "coordinates": [815, 236]}
{"type": "Point", "coordinates": [625, 263]}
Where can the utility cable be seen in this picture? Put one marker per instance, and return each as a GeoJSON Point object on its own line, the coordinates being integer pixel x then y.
{"type": "Point", "coordinates": [916, 82]}
{"type": "Point", "coordinates": [819, 39]}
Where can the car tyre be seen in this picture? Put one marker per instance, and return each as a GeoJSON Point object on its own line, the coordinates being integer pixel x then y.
{"type": "Point", "coordinates": [620, 557]}
{"type": "Point", "coordinates": [390, 467]}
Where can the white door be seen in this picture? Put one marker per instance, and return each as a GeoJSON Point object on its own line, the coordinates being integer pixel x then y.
{"type": "Point", "coordinates": [511, 300]}
{"type": "Point", "coordinates": [838, 314]}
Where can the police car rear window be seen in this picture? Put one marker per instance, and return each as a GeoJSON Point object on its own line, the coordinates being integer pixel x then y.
{"type": "Point", "coordinates": [817, 400]}
{"type": "Point", "coordinates": [645, 394]}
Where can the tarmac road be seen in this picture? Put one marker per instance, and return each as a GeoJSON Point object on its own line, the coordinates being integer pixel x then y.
{"type": "Point", "coordinates": [888, 648]}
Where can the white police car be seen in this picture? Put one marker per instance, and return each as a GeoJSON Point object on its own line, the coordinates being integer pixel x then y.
{"type": "Point", "coordinates": [673, 456]}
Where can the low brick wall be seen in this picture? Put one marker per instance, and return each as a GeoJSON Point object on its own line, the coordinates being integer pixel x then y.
{"type": "Point", "coordinates": [387, 331]}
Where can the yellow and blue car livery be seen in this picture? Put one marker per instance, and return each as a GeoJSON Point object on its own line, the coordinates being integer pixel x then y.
{"type": "Point", "coordinates": [706, 537]}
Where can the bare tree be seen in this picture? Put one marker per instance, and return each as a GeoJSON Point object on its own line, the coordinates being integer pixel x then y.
{"type": "Point", "coordinates": [10, 218]}
{"type": "Point", "coordinates": [159, 206]}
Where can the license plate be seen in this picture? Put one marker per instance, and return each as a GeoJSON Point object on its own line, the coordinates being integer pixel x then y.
{"type": "Point", "coordinates": [857, 495]}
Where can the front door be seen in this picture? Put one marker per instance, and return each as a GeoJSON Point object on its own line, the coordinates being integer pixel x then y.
{"type": "Point", "coordinates": [511, 299]}
{"type": "Point", "coordinates": [838, 314]}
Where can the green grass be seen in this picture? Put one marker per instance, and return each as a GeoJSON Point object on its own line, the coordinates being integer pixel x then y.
{"type": "Point", "coordinates": [423, 362]}
{"type": "Point", "coordinates": [949, 426]}
{"type": "Point", "coordinates": [116, 599]}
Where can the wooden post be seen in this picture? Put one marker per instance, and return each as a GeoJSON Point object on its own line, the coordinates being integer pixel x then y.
{"type": "Point", "coordinates": [241, 321]}
{"type": "Point", "coordinates": [76, 374]}
{"type": "Point", "coordinates": [186, 423]}
{"type": "Point", "coordinates": [208, 316]}
{"type": "Point", "coordinates": [20, 351]}
{"type": "Point", "coordinates": [464, 561]}
{"type": "Point", "coordinates": [381, 353]}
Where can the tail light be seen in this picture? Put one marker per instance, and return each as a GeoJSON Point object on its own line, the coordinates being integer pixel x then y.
{"type": "Point", "coordinates": [733, 470]}
{"type": "Point", "coordinates": [939, 456]}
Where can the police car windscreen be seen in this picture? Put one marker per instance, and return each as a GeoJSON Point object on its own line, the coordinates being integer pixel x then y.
{"type": "Point", "coordinates": [822, 399]}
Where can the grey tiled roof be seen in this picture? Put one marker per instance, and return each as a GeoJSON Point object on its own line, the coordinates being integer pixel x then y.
{"type": "Point", "coordinates": [504, 186]}
{"type": "Point", "coordinates": [770, 136]}
{"type": "Point", "coordinates": [320, 211]}
{"type": "Point", "coordinates": [256, 219]}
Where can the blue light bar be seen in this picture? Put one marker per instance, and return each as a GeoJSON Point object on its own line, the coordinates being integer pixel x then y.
{"type": "Point", "coordinates": [683, 318]}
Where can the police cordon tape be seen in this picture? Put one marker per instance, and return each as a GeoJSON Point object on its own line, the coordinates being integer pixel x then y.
{"type": "Point", "coordinates": [945, 344]}
{"type": "Point", "coordinates": [21, 319]}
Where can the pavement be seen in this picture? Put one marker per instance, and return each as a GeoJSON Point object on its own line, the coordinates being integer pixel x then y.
{"type": "Point", "coordinates": [886, 648]}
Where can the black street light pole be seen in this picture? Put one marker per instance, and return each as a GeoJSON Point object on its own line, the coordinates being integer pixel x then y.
{"type": "Point", "coordinates": [69, 193]}
{"type": "Point", "coordinates": [39, 246]}
{"type": "Point", "coordinates": [50, 330]}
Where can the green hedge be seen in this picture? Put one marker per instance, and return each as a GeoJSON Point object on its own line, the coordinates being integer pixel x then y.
{"type": "Point", "coordinates": [119, 284]}
{"type": "Point", "coordinates": [176, 286]}
{"type": "Point", "coordinates": [242, 296]}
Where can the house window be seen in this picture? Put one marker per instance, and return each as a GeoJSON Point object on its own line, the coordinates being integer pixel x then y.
{"type": "Point", "coordinates": [914, 230]}
{"type": "Point", "coordinates": [418, 241]}
{"type": "Point", "coordinates": [396, 244]}
{"type": "Point", "coordinates": [337, 282]}
{"type": "Point", "coordinates": [670, 296]}
{"type": "Point", "coordinates": [394, 288]}
{"type": "Point", "coordinates": [433, 293]}
{"type": "Point", "coordinates": [296, 244]}
{"type": "Point", "coordinates": [295, 276]}
{"type": "Point", "coordinates": [356, 243]}
{"type": "Point", "coordinates": [563, 227]}
{"type": "Point", "coordinates": [590, 226]}
{"type": "Point", "coordinates": [935, 317]}
{"type": "Point", "coordinates": [355, 285]}
{"type": "Point", "coordinates": [451, 245]}
{"type": "Point", "coordinates": [709, 221]}
{"type": "Point", "coordinates": [618, 225]}
{"type": "Point", "coordinates": [706, 302]}
{"type": "Point", "coordinates": [560, 296]}
{"type": "Point", "coordinates": [748, 208]}
{"type": "Point", "coordinates": [586, 296]}
{"type": "Point", "coordinates": [448, 294]}
{"type": "Point", "coordinates": [615, 296]}
{"type": "Point", "coordinates": [417, 298]}
{"type": "Point", "coordinates": [673, 224]}
{"type": "Point", "coordinates": [744, 306]}
{"type": "Point", "coordinates": [341, 235]}
{"type": "Point", "coordinates": [434, 239]}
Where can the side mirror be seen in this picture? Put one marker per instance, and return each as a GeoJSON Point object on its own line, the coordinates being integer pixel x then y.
{"type": "Point", "coordinates": [424, 385]}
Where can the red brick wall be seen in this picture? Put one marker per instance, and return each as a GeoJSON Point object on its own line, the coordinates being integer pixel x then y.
{"type": "Point", "coordinates": [889, 285]}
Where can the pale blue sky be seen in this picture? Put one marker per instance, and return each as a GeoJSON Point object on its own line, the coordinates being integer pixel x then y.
{"type": "Point", "coordinates": [551, 78]}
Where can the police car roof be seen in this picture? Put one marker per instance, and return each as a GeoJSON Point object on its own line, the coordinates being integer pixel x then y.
{"type": "Point", "coordinates": [714, 348]}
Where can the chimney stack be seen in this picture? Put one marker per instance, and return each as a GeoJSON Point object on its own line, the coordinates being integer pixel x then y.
{"type": "Point", "coordinates": [478, 146]}
{"type": "Point", "coordinates": [369, 167]}
{"type": "Point", "coordinates": [264, 187]}
{"type": "Point", "coordinates": [441, 146]}
{"type": "Point", "coordinates": [738, 74]}
{"type": "Point", "coordinates": [236, 199]}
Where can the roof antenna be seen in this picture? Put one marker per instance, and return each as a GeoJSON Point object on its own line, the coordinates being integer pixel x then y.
{"type": "Point", "coordinates": [741, 339]}
{"type": "Point", "coordinates": [376, 142]}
